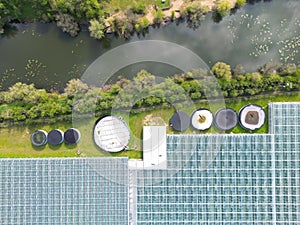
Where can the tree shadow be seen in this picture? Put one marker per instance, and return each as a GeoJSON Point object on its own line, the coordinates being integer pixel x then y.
{"type": "Point", "coordinates": [106, 42]}
{"type": "Point", "coordinates": [234, 10]}
{"type": "Point", "coordinates": [42, 28]}
{"type": "Point", "coordinates": [216, 17]}
{"type": "Point", "coordinates": [54, 147]}
{"type": "Point", "coordinates": [70, 146]}
{"type": "Point", "coordinates": [38, 148]}
{"type": "Point", "coordinates": [10, 31]}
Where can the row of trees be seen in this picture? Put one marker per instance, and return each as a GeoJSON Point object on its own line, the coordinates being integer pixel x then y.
{"type": "Point", "coordinates": [24, 101]}
{"type": "Point", "coordinates": [68, 14]}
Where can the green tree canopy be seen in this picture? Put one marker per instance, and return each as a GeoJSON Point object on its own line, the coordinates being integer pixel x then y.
{"type": "Point", "coordinates": [193, 14]}
{"type": "Point", "coordinates": [139, 7]}
{"type": "Point", "coordinates": [67, 23]}
{"type": "Point", "coordinates": [144, 80]}
{"type": "Point", "coordinates": [238, 70]}
{"type": "Point", "coordinates": [96, 29]}
{"type": "Point", "coordinates": [24, 93]}
{"type": "Point", "coordinates": [75, 87]}
{"type": "Point", "coordinates": [222, 70]}
{"type": "Point", "coordinates": [240, 3]}
{"type": "Point", "coordinates": [223, 7]}
{"type": "Point", "coordinates": [288, 69]}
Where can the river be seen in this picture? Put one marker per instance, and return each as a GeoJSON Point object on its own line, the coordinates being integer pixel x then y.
{"type": "Point", "coordinates": [42, 54]}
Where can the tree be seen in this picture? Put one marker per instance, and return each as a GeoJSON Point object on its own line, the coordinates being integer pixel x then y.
{"type": "Point", "coordinates": [67, 23]}
{"type": "Point", "coordinates": [193, 14]}
{"type": "Point", "coordinates": [25, 94]}
{"type": "Point", "coordinates": [123, 25]}
{"type": "Point", "coordinates": [238, 70]}
{"type": "Point", "coordinates": [174, 92]}
{"type": "Point", "coordinates": [223, 7]}
{"type": "Point", "coordinates": [297, 73]}
{"type": "Point", "coordinates": [255, 77]}
{"type": "Point", "coordinates": [240, 3]}
{"type": "Point", "coordinates": [89, 8]}
{"type": "Point", "coordinates": [87, 103]}
{"type": "Point", "coordinates": [122, 81]}
{"type": "Point", "coordinates": [96, 29]}
{"type": "Point", "coordinates": [270, 67]}
{"type": "Point", "coordinates": [288, 69]}
{"type": "Point", "coordinates": [75, 87]}
{"type": "Point", "coordinates": [222, 71]}
{"type": "Point", "coordinates": [144, 80]}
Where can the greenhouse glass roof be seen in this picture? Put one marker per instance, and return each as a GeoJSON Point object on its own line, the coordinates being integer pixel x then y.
{"type": "Point", "coordinates": [236, 179]}
{"type": "Point", "coordinates": [64, 191]}
{"type": "Point", "coordinates": [209, 179]}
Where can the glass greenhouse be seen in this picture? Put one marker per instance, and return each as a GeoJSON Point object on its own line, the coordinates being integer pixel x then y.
{"type": "Point", "coordinates": [209, 179]}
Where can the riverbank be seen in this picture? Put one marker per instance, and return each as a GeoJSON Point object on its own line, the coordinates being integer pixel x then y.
{"type": "Point", "coordinates": [154, 14]}
{"type": "Point", "coordinates": [25, 103]}
{"type": "Point", "coordinates": [50, 58]}
{"type": "Point", "coordinates": [118, 16]}
{"type": "Point", "coordinates": [15, 141]}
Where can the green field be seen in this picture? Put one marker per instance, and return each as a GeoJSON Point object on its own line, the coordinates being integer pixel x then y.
{"type": "Point", "coordinates": [15, 142]}
{"type": "Point", "coordinates": [114, 6]}
{"type": "Point", "coordinates": [162, 5]}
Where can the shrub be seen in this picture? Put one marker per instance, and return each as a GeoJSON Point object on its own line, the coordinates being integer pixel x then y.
{"type": "Point", "coordinates": [139, 8]}
{"type": "Point", "coordinates": [123, 25]}
{"type": "Point", "coordinates": [223, 7]}
{"type": "Point", "coordinates": [193, 14]}
{"type": "Point", "coordinates": [158, 16]}
{"type": "Point", "coordinates": [172, 15]}
{"type": "Point", "coordinates": [142, 24]}
{"type": "Point", "coordinates": [240, 3]}
{"type": "Point", "coordinates": [75, 87]}
{"type": "Point", "coordinates": [288, 69]}
{"type": "Point", "coordinates": [238, 70]}
{"type": "Point", "coordinates": [96, 29]}
{"type": "Point", "coordinates": [222, 71]}
{"type": "Point", "coordinates": [67, 23]}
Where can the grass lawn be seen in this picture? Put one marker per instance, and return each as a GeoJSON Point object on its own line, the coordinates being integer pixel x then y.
{"type": "Point", "coordinates": [162, 5]}
{"type": "Point", "coordinates": [114, 6]}
{"type": "Point", "coordinates": [15, 142]}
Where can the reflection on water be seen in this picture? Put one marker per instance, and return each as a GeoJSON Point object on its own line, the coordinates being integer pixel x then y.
{"type": "Point", "coordinates": [252, 36]}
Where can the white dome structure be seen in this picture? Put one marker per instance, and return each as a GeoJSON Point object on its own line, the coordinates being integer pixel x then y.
{"type": "Point", "coordinates": [252, 117]}
{"type": "Point", "coordinates": [111, 134]}
{"type": "Point", "coordinates": [202, 119]}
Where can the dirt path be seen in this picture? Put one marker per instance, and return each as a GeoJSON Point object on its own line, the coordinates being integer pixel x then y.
{"type": "Point", "coordinates": [177, 5]}
{"type": "Point", "coordinates": [212, 3]}
{"type": "Point", "coordinates": [149, 14]}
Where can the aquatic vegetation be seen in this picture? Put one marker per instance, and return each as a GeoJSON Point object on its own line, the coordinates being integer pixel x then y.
{"type": "Point", "coordinates": [289, 49]}
{"type": "Point", "coordinates": [264, 39]}
{"type": "Point", "coordinates": [34, 68]}
{"type": "Point", "coordinates": [77, 70]}
{"type": "Point", "coordinates": [8, 74]}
